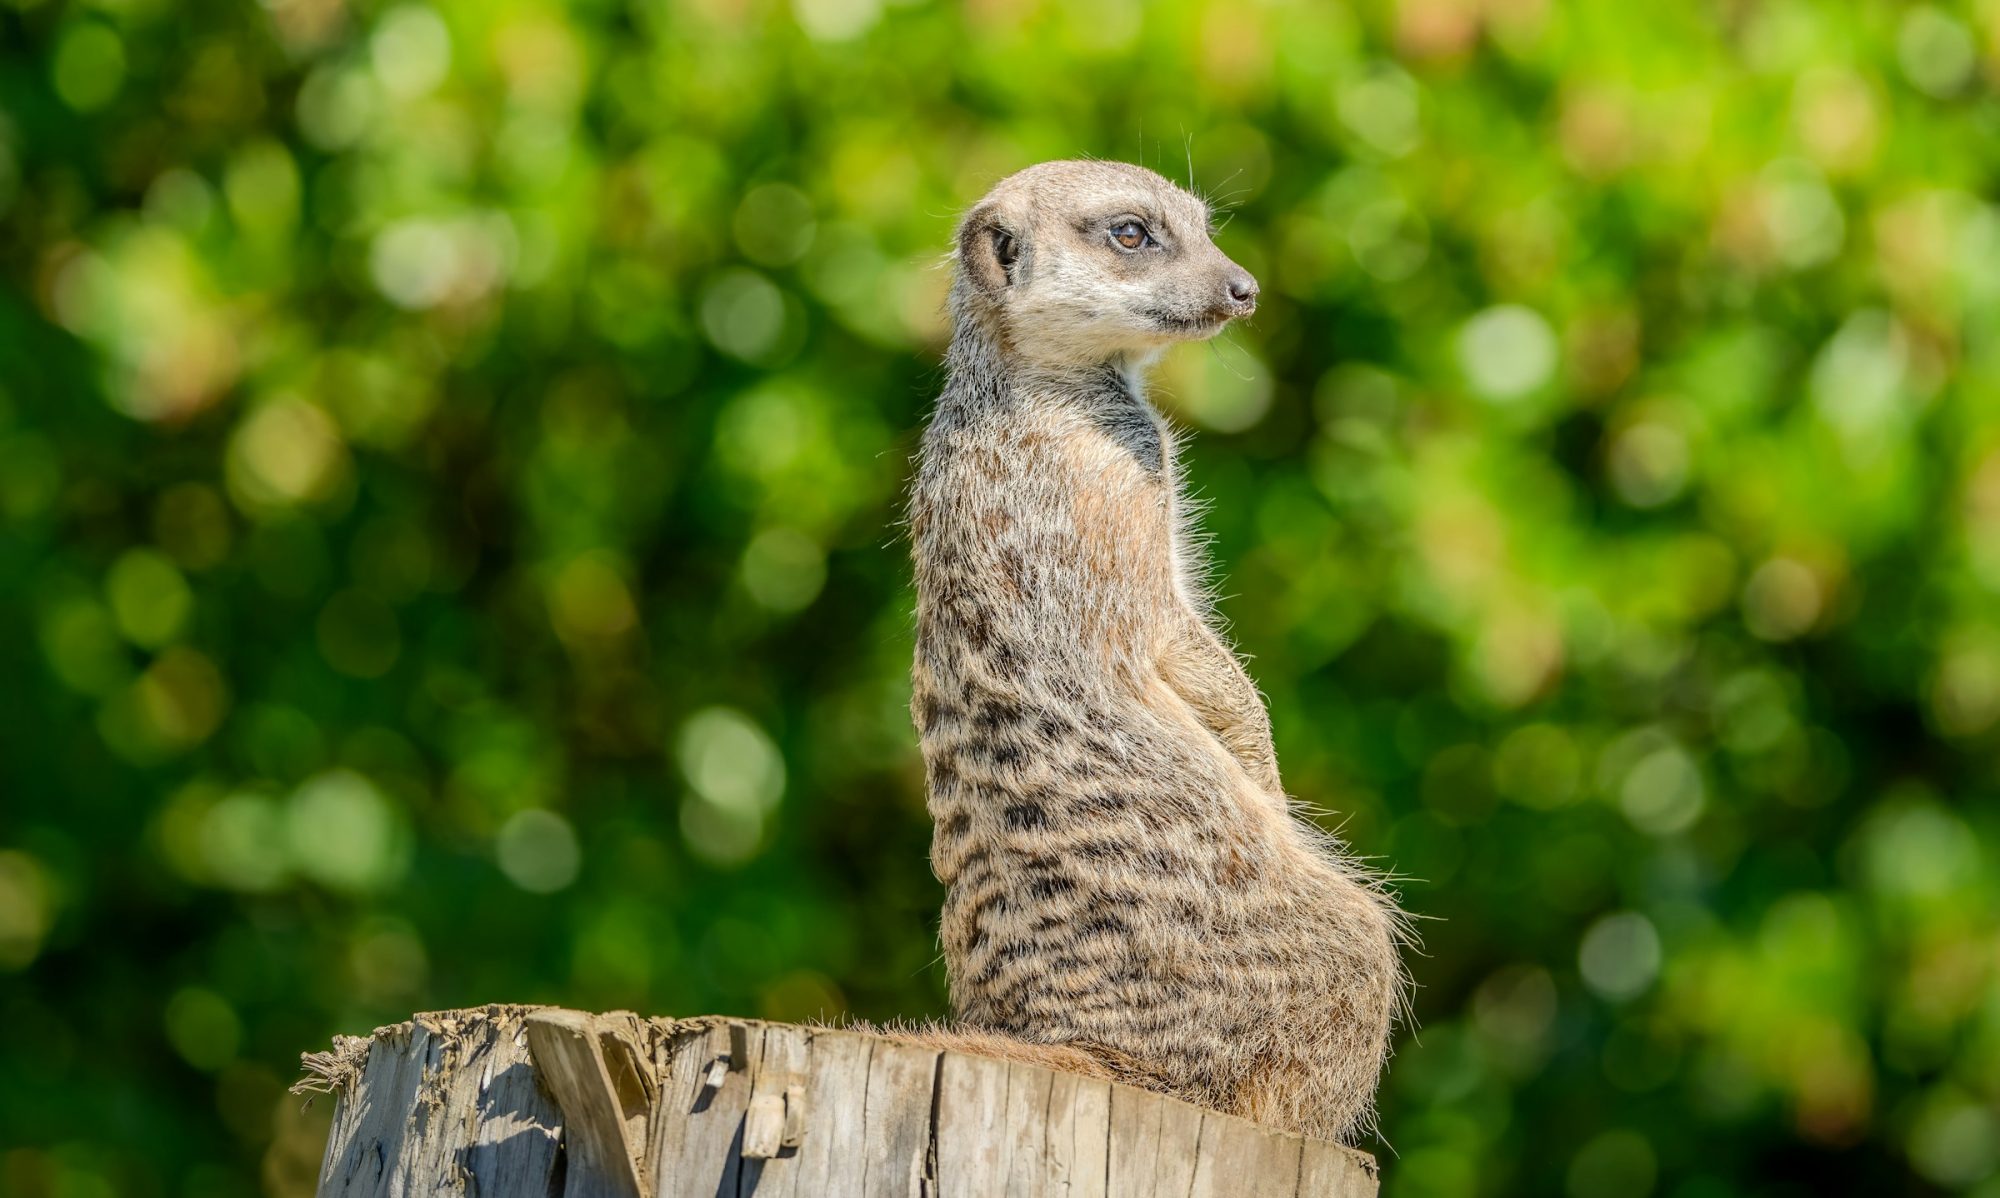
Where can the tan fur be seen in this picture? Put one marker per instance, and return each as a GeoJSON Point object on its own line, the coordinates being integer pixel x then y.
{"type": "Point", "coordinates": [1128, 888]}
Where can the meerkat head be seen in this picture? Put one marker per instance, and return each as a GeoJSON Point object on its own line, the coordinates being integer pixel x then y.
{"type": "Point", "coordinates": [1083, 262]}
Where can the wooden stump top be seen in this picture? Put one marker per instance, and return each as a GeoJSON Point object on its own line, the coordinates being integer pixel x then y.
{"type": "Point", "coordinates": [503, 1101]}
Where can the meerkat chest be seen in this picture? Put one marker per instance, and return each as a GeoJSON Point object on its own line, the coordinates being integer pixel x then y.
{"type": "Point", "coordinates": [1115, 419]}
{"type": "Point", "coordinates": [1047, 523]}
{"type": "Point", "coordinates": [1114, 487]}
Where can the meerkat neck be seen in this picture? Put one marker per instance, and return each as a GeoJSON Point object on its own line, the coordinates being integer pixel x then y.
{"type": "Point", "coordinates": [984, 373]}
{"type": "Point", "coordinates": [979, 372]}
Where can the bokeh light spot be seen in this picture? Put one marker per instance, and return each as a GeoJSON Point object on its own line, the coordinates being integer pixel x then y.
{"type": "Point", "coordinates": [730, 761]}
{"type": "Point", "coordinates": [1614, 1164]}
{"type": "Point", "coordinates": [1663, 792]}
{"type": "Point", "coordinates": [744, 315]}
{"type": "Point", "coordinates": [244, 845]}
{"type": "Point", "coordinates": [181, 198]}
{"type": "Point", "coordinates": [1221, 385]}
{"type": "Point", "coordinates": [173, 706]}
{"type": "Point", "coordinates": [89, 66]}
{"type": "Point", "coordinates": [1506, 352]}
{"type": "Point", "coordinates": [1857, 379]}
{"type": "Point", "coordinates": [1802, 216]}
{"type": "Point", "coordinates": [1382, 108]}
{"type": "Point", "coordinates": [80, 642]}
{"type": "Point", "coordinates": [148, 597]}
{"type": "Point", "coordinates": [1837, 116]}
{"type": "Point", "coordinates": [1620, 956]}
{"type": "Point", "coordinates": [738, 778]}
{"type": "Point", "coordinates": [774, 224]}
{"type": "Point", "coordinates": [336, 106]}
{"type": "Point", "coordinates": [1538, 765]}
{"type": "Point", "coordinates": [588, 600]}
{"type": "Point", "coordinates": [1936, 50]}
{"type": "Point", "coordinates": [783, 569]}
{"type": "Point", "coordinates": [1955, 1142]}
{"type": "Point", "coordinates": [1782, 600]}
{"type": "Point", "coordinates": [285, 452]}
{"type": "Point", "coordinates": [1964, 690]}
{"type": "Point", "coordinates": [836, 20]}
{"type": "Point", "coordinates": [27, 909]}
{"type": "Point", "coordinates": [183, 696]}
{"type": "Point", "coordinates": [1390, 239]}
{"type": "Point", "coordinates": [344, 833]}
{"type": "Point", "coordinates": [203, 1027]}
{"type": "Point", "coordinates": [411, 51]}
{"type": "Point", "coordinates": [426, 262]}
{"type": "Point", "coordinates": [1753, 711]}
{"type": "Point", "coordinates": [262, 186]}
{"type": "Point", "coordinates": [1649, 463]}
{"type": "Point", "coordinates": [538, 851]}
{"type": "Point", "coordinates": [149, 302]}
{"type": "Point", "coordinates": [1918, 850]}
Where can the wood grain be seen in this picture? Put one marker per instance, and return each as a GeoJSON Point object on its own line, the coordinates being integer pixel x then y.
{"type": "Point", "coordinates": [570, 1061]}
{"type": "Point", "coordinates": [521, 1102]}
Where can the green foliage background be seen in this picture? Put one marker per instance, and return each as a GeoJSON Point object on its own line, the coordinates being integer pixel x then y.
{"type": "Point", "coordinates": [450, 463]}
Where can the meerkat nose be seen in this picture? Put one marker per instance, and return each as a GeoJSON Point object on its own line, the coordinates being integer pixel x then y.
{"type": "Point", "coordinates": [1242, 292]}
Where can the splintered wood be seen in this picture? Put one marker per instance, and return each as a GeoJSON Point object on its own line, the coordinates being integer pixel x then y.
{"type": "Point", "coordinates": [504, 1101]}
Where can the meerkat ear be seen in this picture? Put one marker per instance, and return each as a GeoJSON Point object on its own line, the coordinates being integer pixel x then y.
{"type": "Point", "coordinates": [987, 249]}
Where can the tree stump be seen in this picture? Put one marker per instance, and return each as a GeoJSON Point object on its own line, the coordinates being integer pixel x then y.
{"type": "Point", "coordinates": [507, 1101]}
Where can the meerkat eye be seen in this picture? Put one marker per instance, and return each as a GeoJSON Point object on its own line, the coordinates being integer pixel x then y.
{"type": "Point", "coordinates": [1131, 234]}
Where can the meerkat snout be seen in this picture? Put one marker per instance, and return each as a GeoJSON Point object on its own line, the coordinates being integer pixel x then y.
{"type": "Point", "coordinates": [1080, 262]}
{"type": "Point", "coordinates": [1241, 290]}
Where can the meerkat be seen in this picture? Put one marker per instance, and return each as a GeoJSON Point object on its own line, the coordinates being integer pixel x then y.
{"type": "Point", "coordinates": [1129, 893]}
